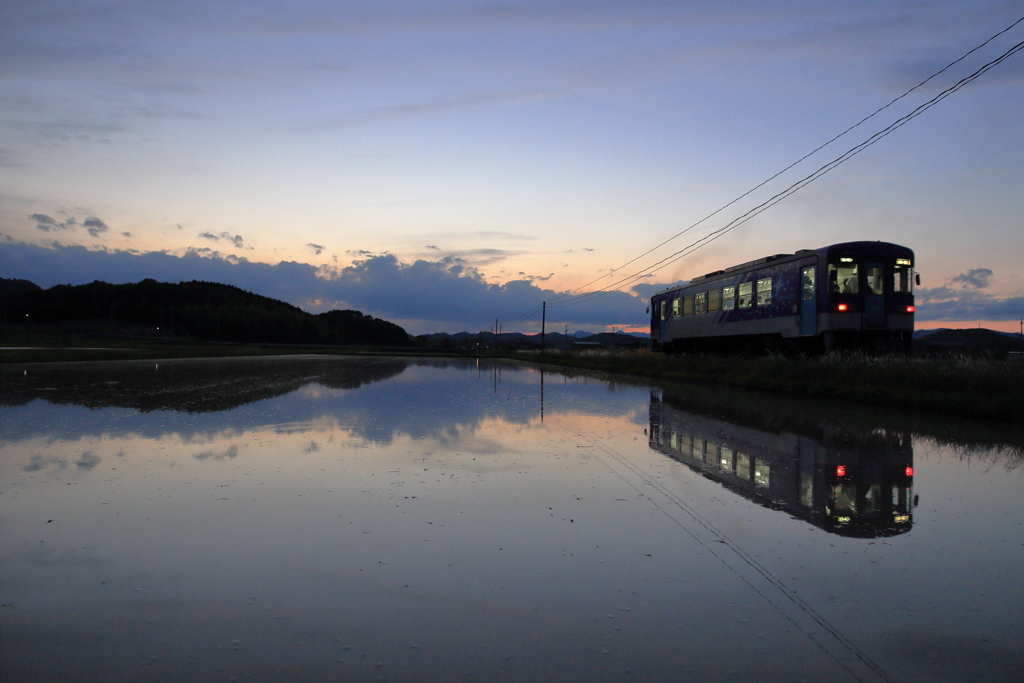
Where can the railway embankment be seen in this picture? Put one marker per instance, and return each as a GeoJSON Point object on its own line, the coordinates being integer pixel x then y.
{"type": "Point", "coordinates": [960, 386]}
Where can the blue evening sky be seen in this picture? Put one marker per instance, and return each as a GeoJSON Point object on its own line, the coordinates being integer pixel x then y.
{"type": "Point", "coordinates": [447, 163]}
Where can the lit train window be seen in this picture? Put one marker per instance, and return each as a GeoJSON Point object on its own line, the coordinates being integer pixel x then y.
{"type": "Point", "coordinates": [746, 292]}
{"type": "Point", "coordinates": [808, 284]}
{"type": "Point", "coordinates": [762, 474]}
{"type": "Point", "coordinates": [742, 465]}
{"type": "Point", "coordinates": [725, 459]}
{"type": "Point", "coordinates": [688, 304]}
{"type": "Point", "coordinates": [728, 298]}
{"type": "Point", "coordinates": [764, 291]}
{"type": "Point", "coordinates": [675, 306]}
{"type": "Point", "coordinates": [876, 285]}
{"type": "Point", "coordinates": [902, 282]}
{"type": "Point", "coordinates": [662, 310]}
{"type": "Point", "coordinates": [700, 302]}
{"type": "Point", "coordinates": [714, 299]}
{"type": "Point", "coordinates": [842, 277]}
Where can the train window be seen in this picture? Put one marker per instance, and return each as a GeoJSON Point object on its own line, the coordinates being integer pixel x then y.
{"type": "Point", "coordinates": [876, 285]}
{"type": "Point", "coordinates": [725, 459]}
{"type": "Point", "coordinates": [728, 298]}
{"type": "Point", "coordinates": [844, 498]}
{"type": "Point", "coordinates": [700, 302]}
{"type": "Point", "coordinates": [762, 474]}
{"type": "Point", "coordinates": [808, 283]}
{"type": "Point", "coordinates": [714, 299]}
{"type": "Point", "coordinates": [675, 306]}
{"type": "Point", "coordinates": [902, 282]}
{"type": "Point", "coordinates": [663, 310]}
{"type": "Point", "coordinates": [746, 290]}
{"type": "Point", "coordinates": [764, 291]}
{"type": "Point", "coordinates": [742, 465]}
{"type": "Point", "coordinates": [842, 277]}
{"type": "Point", "coordinates": [688, 304]}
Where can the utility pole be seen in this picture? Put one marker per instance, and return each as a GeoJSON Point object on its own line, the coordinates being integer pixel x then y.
{"type": "Point", "coordinates": [544, 317]}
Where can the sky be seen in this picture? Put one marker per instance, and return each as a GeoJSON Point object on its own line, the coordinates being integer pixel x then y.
{"type": "Point", "coordinates": [446, 164]}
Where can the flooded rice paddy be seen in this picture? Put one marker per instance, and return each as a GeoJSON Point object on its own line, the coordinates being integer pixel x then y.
{"type": "Point", "coordinates": [337, 519]}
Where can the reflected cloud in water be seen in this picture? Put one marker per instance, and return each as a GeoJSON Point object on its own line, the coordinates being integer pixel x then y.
{"type": "Point", "coordinates": [349, 518]}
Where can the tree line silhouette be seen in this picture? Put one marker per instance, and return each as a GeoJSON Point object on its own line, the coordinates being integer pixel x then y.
{"type": "Point", "coordinates": [200, 310]}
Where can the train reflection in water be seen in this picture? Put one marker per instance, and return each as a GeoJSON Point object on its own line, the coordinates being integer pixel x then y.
{"type": "Point", "coordinates": [848, 483]}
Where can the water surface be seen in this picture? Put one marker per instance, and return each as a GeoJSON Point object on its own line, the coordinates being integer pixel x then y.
{"type": "Point", "coordinates": [410, 520]}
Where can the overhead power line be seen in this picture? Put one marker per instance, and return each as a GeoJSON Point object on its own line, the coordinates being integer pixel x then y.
{"type": "Point", "coordinates": [803, 182]}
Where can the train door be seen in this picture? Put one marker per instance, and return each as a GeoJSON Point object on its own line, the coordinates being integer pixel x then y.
{"type": "Point", "coordinates": [808, 302]}
{"type": "Point", "coordinates": [874, 295]}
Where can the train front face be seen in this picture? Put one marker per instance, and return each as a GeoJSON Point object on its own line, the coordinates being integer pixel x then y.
{"type": "Point", "coordinates": [868, 297]}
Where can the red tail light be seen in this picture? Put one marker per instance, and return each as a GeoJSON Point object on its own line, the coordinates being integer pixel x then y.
{"type": "Point", "coordinates": [842, 307]}
{"type": "Point", "coordinates": [910, 309]}
{"type": "Point", "coordinates": [841, 470]}
{"type": "Point", "coordinates": [910, 471]}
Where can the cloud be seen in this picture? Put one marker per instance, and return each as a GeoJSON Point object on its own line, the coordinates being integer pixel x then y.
{"type": "Point", "coordinates": [315, 248]}
{"type": "Point", "coordinates": [229, 453]}
{"type": "Point", "coordinates": [426, 296]}
{"type": "Point", "coordinates": [645, 290]}
{"type": "Point", "coordinates": [961, 298]}
{"type": "Point", "coordinates": [88, 461]}
{"type": "Point", "coordinates": [126, 234]}
{"type": "Point", "coordinates": [48, 223]}
{"type": "Point", "coordinates": [372, 115]}
{"type": "Point", "coordinates": [225, 236]}
{"type": "Point", "coordinates": [39, 462]}
{"type": "Point", "coordinates": [973, 279]}
{"type": "Point", "coordinates": [95, 226]}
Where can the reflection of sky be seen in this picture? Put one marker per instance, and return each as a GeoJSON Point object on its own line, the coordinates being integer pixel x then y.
{"type": "Point", "coordinates": [433, 522]}
{"type": "Point", "coordinates": [378, 411]}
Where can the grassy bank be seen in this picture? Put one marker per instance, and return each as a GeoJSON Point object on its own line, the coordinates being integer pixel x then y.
{"type": "Point", "coordinates": [966, 387]}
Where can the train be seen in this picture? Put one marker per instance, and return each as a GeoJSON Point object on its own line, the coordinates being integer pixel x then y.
{"type": "Point", "coordinates": [857, 483]}
{"type": "Point", "coordinates": [849, 295]}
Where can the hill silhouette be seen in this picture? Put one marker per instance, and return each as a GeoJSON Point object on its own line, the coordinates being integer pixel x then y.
{"type": "Point", "coordinates": [969, 341]}
{"type": "Point", "coordinates": [199, 310]}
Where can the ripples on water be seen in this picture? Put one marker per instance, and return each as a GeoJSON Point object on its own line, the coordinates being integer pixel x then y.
{"type": "Point", "coordinates": [400, 519]}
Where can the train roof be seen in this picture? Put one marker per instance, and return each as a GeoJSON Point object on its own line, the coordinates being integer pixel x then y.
{"type": "Point", "coordinates": [886, 248]}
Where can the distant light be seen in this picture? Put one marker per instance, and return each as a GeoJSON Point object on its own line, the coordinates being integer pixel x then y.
{"type": "Point", "coordinates": [910, 309]}
{"type": "Point", "coordinates": [841, 470]}
{"type": "Point", "coordinates": [842, 307]}
{"type": "Point", "coordinates": [909, 471]}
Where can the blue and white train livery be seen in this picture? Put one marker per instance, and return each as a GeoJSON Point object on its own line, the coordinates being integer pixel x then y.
{"type": "Point", "coordinates": [856, 294]}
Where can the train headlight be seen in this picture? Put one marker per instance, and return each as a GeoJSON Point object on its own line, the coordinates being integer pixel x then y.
{"type": "Point", "coordinates": [842, 307]}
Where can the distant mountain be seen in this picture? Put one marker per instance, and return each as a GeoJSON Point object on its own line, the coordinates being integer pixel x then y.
{"type": "Point", "coordinates": [971, 340]}
{"type": "Point", "coordinates": [203, 310]}
{"type": "Point", "coordinates": [13, 286]}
